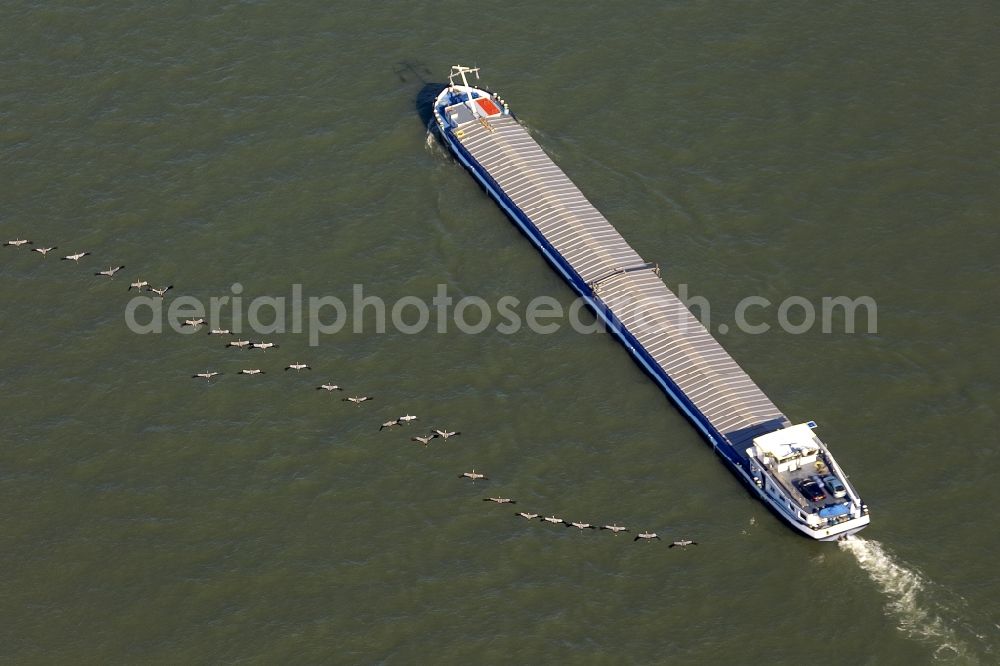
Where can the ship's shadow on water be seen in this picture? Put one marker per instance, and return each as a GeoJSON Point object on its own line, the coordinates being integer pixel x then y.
{"type": "Point", "coordinates": [409, 71]}
{"type": "Point", "coordinates": [424, 102]}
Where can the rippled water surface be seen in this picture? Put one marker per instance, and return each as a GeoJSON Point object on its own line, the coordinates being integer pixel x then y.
{"type": "Point", "coordinates": [749, 148]}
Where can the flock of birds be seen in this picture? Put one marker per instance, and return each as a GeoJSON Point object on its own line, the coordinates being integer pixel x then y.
{"type": "Point", "coordinates": [614, 528]}
{"type": "Point", "coordinates": [424, 440]}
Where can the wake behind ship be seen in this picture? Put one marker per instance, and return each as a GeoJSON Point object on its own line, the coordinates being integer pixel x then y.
{"type": "Point", "coordinates": [785, 464]}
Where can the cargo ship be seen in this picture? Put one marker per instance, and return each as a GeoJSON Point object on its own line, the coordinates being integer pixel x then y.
{"type": "Point", "coordinates": [783, 463]}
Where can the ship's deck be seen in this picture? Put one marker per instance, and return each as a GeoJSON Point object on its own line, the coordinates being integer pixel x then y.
{"type": "Point", "coordinates": [629, 286]}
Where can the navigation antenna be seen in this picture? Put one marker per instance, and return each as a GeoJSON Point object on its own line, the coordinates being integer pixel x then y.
{"type": "Point", "coordinates": [462, 70]}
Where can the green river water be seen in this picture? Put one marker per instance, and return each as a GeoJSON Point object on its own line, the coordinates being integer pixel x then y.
{"type": "Point", "coordinates": [768, 149]}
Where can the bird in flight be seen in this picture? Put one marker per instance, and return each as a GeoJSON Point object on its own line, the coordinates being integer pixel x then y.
{"type": "Point", "coordinates": [472, 475]}
{"type": "Point", "coordinates": [110, 272]}
{"type": "Point", "coordinates": [683, 543]}
{"type": "Point", "coordinates": [160, 292]}
{"type": "Point", "coordinates": [614, 528]}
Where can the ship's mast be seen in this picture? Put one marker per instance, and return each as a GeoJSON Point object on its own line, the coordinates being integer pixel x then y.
{"type": "Point", "coordinates": [461, 70]}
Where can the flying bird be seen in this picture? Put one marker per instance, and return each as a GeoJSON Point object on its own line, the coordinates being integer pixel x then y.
{"type": "Point", "coordinates": [553, 519]}
{"type": "Point", "coordinates": [110, 272]}
{"type": "Point", "coordinates": [387, 424]}
{"type": "Point", "coordinates": [138, 284]}
{"type": "Point", "coordinates": [581, 526]}
{"type": "Point", "coordinates": [43, 250]}
{"type": "Point", "coordinates": [194, 322]}
{"type": "Point", "coordinates": [500, 500]}
{"type": "Point", "coordinates": [472, 475]}
{"type": "Point", "coordinates": [239, 344]}
{"type": "Point", "coordinates": [160, 292]}
{"type": "Point", "coordinates": [18, 243]}
{"type": "Point", "coordinates": [444, 434]}
{"type": "Point", "coordinates": [75, 257]}
{"type": "Point", "coordinates": [220, 331]}
{"type": "Point", "coordinates": [427, 440]}
{"type": "Point", "coordinates": [298, 366]}
{"type": "Point", "coordinates": [645, 536]}
{"type": "Point", "coordinates": [614, 528]}
{"type": "Point", "coordinates": [205, 375]}
{"type": "Point", "coordinates": [328, 387]}
{"type": "Point", "coordinates": [263, 345]}
{"type": "Point", "coordinates": [358, 399]}
{"type": "Point", "coordinates": [526, 515]}
{"type": "Point", "coordinates": [252, 371]}
{"type": "Point", "coordinates": [406, 418]}
{"type": "Point", "coordinates": [683, 543]}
